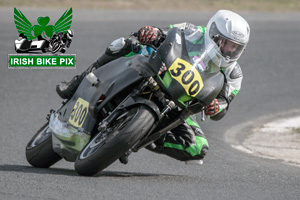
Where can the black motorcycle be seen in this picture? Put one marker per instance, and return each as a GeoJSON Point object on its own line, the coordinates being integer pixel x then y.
{"type": "Point", "coordinates": [124, 106]}
{"type": "Point", "coordinates": [59, 42]}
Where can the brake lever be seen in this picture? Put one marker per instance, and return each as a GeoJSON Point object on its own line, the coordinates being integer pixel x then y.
{"type": "Point", "coordinates": [203, 115]}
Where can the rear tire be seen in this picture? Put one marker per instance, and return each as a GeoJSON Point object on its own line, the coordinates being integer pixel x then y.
{"type": "Point", "coordinates": [39, 151]}
{"type": "Point", "coordinates": [101, 152]}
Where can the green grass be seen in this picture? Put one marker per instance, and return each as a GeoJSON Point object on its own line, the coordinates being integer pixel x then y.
{"type": "Point", "coordinates": [183, 5]}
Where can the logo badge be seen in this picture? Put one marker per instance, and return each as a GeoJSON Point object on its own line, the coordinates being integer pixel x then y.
{"type": "Point", "coordinates": [35, 40]}
{"type": "Point", "coordinates": [238, 34]}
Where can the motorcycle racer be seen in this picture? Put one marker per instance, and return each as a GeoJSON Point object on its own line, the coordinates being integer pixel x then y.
{"type": "Point", "coordinates": [230, 32]}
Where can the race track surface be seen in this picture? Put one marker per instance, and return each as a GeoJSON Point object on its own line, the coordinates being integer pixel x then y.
{"type": "Point", "coordinates": [271, 86]}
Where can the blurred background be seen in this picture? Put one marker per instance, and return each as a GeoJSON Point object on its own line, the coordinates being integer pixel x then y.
{"type": "Point", "coordinates": [270, 87]}
{"type": "Point", "coordinates": [194, 5]}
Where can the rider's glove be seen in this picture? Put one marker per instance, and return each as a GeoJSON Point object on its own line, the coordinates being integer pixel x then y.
{"type": "Point", "coordinates": [149, 35]}
{"type": "Point", "coordinates": [212, 108]}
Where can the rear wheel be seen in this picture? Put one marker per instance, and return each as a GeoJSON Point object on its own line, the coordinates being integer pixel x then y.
{"type": "Point", "coordinates": [39, 151]}
{"type": "Point", "coordinates": [105, 148]}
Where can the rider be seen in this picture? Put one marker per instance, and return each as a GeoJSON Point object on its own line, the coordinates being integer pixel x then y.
{"type": "Point", "coordinates": [64, 38]}
{"type": "Point", "coordinates": [230, 32]}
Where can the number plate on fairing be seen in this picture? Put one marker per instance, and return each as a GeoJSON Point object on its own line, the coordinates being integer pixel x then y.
{"type": "Point", "coordinates": [79, 113]}
{"type": "Point", "coordinates": [187, 75]}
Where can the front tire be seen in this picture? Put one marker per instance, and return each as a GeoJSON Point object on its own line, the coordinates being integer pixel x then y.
{"type": "Point", "coordinates": [39, 151]}
{"type": "Point", "coordinates": [101, 151]}
{"type": "Point", "coordinates": [55, 47]}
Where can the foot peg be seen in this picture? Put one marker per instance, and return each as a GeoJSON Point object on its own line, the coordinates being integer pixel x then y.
{"type": "Point", "coordinates": [124, 159]}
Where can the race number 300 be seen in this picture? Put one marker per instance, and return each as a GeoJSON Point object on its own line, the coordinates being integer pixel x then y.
{"type": "Point", "coordinates": [79, 112]}
{"type": "Point", "coordinates": [189, 78]}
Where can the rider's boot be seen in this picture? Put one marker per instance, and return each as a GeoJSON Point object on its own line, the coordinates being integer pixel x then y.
{"type": "Point", "coordinates": [157, 146]}
{"type": "Point", "coordinates": [117, 48]}
{"type": "Point", "coordinates": [66, 89]}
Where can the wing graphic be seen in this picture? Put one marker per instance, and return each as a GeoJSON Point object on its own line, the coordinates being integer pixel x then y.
{"type": "Point", "coordinates": [64, 22]}
{"type": "Point", "coordinates": [23, 25]}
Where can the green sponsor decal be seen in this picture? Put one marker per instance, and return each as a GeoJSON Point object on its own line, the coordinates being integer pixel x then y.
{"type": "Point", "coordinates": [235, 92]}
{"type": "Point", "coordinates": [41, 61]}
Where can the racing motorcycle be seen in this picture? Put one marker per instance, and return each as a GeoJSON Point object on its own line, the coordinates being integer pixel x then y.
{"type": "Point", "coordinates": [124, 106]}
{"type": "Point", "coordinates": [59, 42]}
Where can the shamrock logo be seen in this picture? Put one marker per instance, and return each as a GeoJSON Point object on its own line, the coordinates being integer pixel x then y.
{"type": "Point", "coordinates": [24, 26]}
{"type": "Point", "coordinates": [43, 28]}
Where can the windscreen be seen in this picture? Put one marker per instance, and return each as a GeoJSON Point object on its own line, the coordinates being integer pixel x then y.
{"type": "Point", "coordinates": [208, 59]}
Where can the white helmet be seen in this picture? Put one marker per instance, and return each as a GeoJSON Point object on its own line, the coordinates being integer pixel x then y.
{"type": "Point", "coordinates": [70, 33]}
{"type": "Point", "coordinates": [227, 26]}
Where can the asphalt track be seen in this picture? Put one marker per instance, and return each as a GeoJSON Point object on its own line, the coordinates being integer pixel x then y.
{"type": "Point", "coordinates": [271, 86]}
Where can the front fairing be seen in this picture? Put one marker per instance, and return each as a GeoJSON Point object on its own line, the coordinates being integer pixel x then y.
{"type": "Point", "coordinates": [67, 141]}
{"type": "Point", "coordinates": [113, 77]}
{"type": "Point", "coordinates": [187, 76]}
{"type": "Point", "coordinates": [72, 125]}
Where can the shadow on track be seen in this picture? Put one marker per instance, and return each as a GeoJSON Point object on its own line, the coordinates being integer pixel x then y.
{"type": "Point", "coordinates": [69, 172]}
{"type": "Point", "coordinates": [32, 170]}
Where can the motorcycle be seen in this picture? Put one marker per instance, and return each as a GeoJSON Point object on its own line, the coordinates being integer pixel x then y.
{"type": "Point", "coordinates": [124, 106]}
{"type": "Point", "coordinates": [59, 42]}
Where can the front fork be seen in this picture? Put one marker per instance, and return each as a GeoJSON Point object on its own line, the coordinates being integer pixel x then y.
{"type": "Point", "coordinates": [133, 99]}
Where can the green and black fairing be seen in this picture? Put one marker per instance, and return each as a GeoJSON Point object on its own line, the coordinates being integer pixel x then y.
{"type": "Point", "coordinates": [113, 77]}
{"type": "Point", "coordinates": [73, 124]}
{"type": "Point", "coordinates": [185, 86]}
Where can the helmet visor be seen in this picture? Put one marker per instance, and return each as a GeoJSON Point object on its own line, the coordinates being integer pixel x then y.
{"type": "Point", "coordinates": [230, 49]}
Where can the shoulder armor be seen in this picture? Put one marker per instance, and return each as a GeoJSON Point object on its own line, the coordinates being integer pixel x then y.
{"type": "Point", "coordinates": [236, 72]}
{"type": "Point", "coordinates": [185, 26]}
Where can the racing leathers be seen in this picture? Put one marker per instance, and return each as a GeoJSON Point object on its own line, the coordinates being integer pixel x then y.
{"type": "Point", "coordinates": [187, 141]}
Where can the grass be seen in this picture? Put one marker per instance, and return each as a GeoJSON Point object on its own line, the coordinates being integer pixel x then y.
{"type": "Point", "coordinates": [183, 5]}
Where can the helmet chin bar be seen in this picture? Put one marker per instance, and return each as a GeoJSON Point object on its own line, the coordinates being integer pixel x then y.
{"type": "Point", "coordinates": [226, 55]}
{"type": "Point", "coordinates": [227, 59]}
{"type": "Point", "coordinates": [217, 40]}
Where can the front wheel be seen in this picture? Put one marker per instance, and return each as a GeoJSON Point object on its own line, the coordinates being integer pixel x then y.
{"type": "Point", "coordinates": [105, 148]}
{"type": "Point", "coordinates": [39, 151]}
{"type": "Point", "coordinates": [55, 47]}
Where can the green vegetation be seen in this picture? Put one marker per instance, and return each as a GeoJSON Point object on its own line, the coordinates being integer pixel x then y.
{"type": "Point", "coordinates": [194, 5]}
